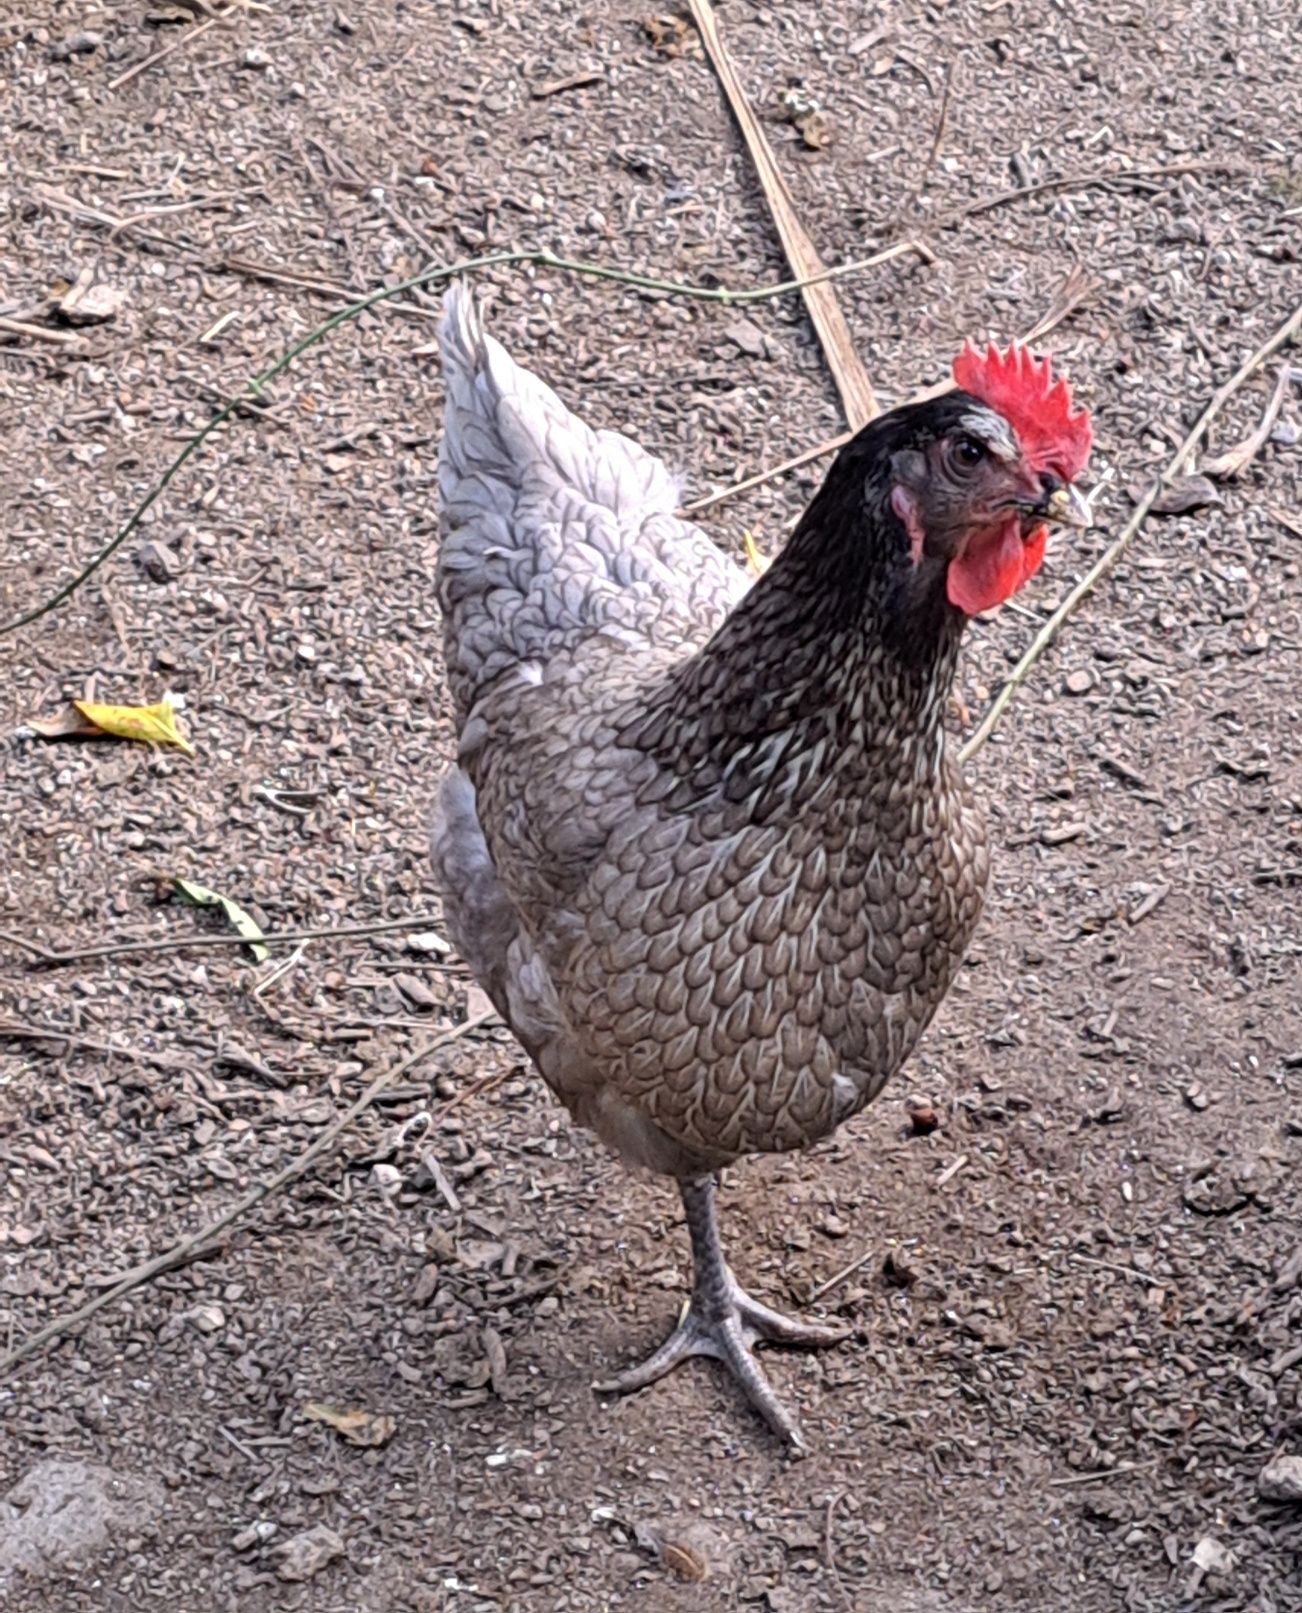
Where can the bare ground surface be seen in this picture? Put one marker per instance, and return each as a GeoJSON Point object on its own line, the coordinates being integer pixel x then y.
{"type": "Point", "coordinates": [1084, 1346]}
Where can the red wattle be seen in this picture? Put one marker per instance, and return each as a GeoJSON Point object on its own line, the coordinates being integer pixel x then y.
{"type": "Point", "coordinates": [993, 567]}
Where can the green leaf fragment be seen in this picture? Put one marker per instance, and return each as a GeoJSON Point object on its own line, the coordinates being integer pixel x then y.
{"type": "Point", "coordinates": [236, 917]}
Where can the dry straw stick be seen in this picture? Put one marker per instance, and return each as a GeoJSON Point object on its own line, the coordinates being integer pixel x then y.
{"type": "Point", "coordinates": [857, 396]}
{"type": "Point", "coordinates": [196, 1244]}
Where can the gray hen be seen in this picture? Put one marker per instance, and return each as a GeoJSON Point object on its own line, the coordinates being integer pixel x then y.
{"type": "Point", "coordinates": [705, 846]}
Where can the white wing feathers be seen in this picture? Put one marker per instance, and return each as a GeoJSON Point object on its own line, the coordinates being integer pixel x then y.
{"type": "Point", "coordinates": [552, 531]}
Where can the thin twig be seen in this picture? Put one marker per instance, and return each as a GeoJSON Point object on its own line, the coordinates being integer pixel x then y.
{"type": "Point", "coordinates": [539, 257]}
{"type": "Point", "coordinates": [15, 1030]}
{"type": "Point", "coordinates": [185, 1248]}
{"type": "Point", "coordinates": [168, 943]}
{"type": "Point", "coordinates": [951, 1170]}
{"type": "Point", "coordinates": [1145, 1277]}
{"type": "Point", "coordinates": [942, 122]}
{"type": "Point", "coordinates": [40, 333]}
{"type": "Point", "coordinates": [857, 397]}
{"type": "Point", "coordinates": [251, 269]}
{"type": "Point", "coordinates": [1081, 181]}
{"type": "Point", "coordinates": [287, 277]}
{"type": "Point", "coordinates": [837, 1278]}
{"type": "Point", "coordinates": [234, 1440]}
{"type": "Point", "coordinates": [829, 445]}
{"type": "Point", "coordinates": [61, 202]}
{"type": "Point", "coordinates": [1104, 1473]}
{"type": "Point", "coordinates": [1224, 467]}
{"type": "Point", "coordinates": [187, 37]}
{"type": "Point", "coordinates": [1113, 553]}
{"type": "Point", "coordinates": [177, 1258]}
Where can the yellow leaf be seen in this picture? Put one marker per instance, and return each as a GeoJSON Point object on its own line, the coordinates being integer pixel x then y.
{"type": "Point", "coordinates": [358, 1427]}
{"type": "Point", "coordinates": [156, 725]}
{"type": "Point", "coordinates": [756, 564]}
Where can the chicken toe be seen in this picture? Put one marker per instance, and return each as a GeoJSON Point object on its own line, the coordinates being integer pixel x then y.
{"type": "Point", "coordinates": [722, 1320]}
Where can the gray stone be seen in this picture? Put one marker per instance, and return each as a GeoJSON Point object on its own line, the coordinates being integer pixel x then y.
{"type": "Point", "coordinates": [62, 1511]}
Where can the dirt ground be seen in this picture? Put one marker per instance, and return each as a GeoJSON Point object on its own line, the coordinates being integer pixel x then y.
{"type": "Point", "coordinates": [1079, 1305]}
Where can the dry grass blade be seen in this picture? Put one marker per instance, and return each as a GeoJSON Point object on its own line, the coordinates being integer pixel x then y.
{"type": "Point", "coordinates": [191, 1246]}
{"type": "Point", "coordinates": [1103, 1474]}
{"type": "Point", "coordinates": [1076, 290]}
{"type": "Point", "coordinates": [857, 396]}
{"type": "Point", "coordinates": [839, 1277]}
{"type": "Point", "coordinates": [1290, 523]}
{"type": "Point", "coordinates": [1236, 459]}
{"type": "Point", "coordinates": [251, 269]}
{"type": "Point", "coordinates": [806, 455]}
{"type": "Point", "coordinates": [59, 201]}
{"type": "Point", "coordinates": [16, 1031]}
{"type": "Point", "coordinates": [1082, 181]}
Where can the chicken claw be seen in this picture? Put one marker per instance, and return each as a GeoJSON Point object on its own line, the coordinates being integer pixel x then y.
{"type": "Point", "coordinates": [723, 1321]}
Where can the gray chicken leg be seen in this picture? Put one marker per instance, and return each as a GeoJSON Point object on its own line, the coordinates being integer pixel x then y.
{"type": "Point", "coordinates": [723, 1321]}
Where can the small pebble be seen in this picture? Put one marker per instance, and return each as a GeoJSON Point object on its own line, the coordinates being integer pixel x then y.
{"type": "Point", "coordinates": [1281, 1480]}
{"type": "Point", "coordinates": [81, 44]}
{"type": "Point", "coordinates": [306, 1554]}
{"type": "Point", "coordinates": [386, 1179]}
{"type": "Point", "coordinates": [923, 1118]}
{"type": "Point", "coordinates": [207, 1318]}
{"type": "Point", "coordinates": [257, 1534]}
{"type": "Point", "coordinates": [158, 562]}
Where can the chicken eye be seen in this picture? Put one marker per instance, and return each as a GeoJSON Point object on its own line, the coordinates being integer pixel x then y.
{"type": "Point", "coordinates": [968, 453]}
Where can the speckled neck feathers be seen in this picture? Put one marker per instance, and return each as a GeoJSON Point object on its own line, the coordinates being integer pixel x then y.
{"type": "Point", "coordinates": [840, 657]}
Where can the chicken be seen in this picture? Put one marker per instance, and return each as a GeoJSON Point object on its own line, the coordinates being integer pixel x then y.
{"type": "Point", "coordinates": [705, 845]}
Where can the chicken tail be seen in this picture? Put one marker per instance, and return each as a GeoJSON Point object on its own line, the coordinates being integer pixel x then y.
{"type": "Point", "coordinates": [551, 531]}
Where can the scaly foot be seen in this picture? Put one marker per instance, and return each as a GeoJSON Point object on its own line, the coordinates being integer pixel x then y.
{"type": "Point", "coordinates": [725, 1327]}
{"type": "Point", "coordinates": [723, 1321]}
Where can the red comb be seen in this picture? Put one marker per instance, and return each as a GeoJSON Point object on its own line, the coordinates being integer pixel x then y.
{"type": "Point", "coordinates": [1037, 407]}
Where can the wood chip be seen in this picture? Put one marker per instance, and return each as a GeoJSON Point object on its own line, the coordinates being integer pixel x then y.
{"type": "Point", "coordinates": [1183, 497]}
{"type": "Point", "coordinates": [88, 302]}
{"type": "Point", "coordinates": [495, 1355]}
{"type": "Point", "coordinates": [558, 86]}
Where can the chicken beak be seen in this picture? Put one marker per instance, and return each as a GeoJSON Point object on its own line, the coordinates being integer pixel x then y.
{"type": "Point", "coordinates": [1066, 507]}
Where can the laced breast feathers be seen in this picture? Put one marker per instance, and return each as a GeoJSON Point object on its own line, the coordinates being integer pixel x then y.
{"type": "Point", "coordinates": [763, 940]}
